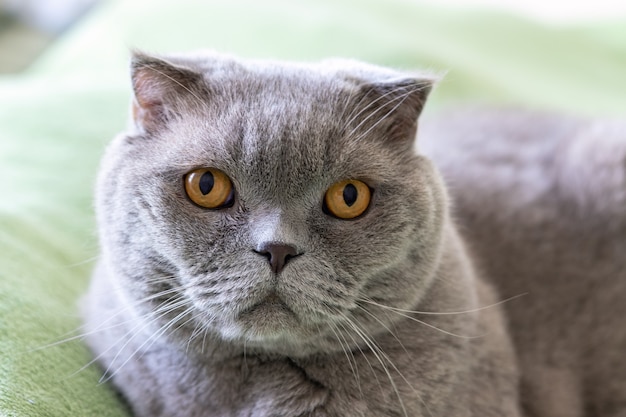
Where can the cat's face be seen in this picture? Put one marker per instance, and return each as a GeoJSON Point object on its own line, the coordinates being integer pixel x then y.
{"type": "Point", "coordinates": [259, 252]}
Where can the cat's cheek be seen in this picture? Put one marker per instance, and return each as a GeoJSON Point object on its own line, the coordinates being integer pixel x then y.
{"type": "Point", "coordinates": [365, 246]}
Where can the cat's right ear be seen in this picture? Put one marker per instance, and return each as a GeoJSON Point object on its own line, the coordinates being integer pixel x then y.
{"type": "Point", "coordinates": [159, 88]}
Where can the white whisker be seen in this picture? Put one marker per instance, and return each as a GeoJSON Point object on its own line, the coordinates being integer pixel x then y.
{"type": "Point", "coordinates": [66, 338]}
{"type": "Point", "coordinates": [129, 332]}
{"type": "Point", "coordinates": [345, 347]}
{"type": "Point", "coordinates": [108, 375]}
{"type": "Point", "coordinates": [364, 356]}
{"type": "Point", "coordinates": [385, 327]}
{"type": "Point", "coordinates": [380, 355]}
{"type": "Point", "coordinates": [444, 313]}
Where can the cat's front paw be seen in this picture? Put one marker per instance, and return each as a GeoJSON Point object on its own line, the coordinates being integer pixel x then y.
{"type": "Point", "coordinates": [282, 388]}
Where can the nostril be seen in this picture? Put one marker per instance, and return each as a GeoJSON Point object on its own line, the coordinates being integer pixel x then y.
{"type": "Point", "coordinates": [278, 254]}
{"type": "Point", "coordinates": [268, 255]}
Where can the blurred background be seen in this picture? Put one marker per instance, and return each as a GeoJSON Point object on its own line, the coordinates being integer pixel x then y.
{"type": "Point", "coordinates": [28, 27]}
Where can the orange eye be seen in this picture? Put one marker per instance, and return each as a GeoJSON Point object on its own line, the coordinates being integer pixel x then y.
{"type": "Point", "coordinates": [347, 199]}
{"type": "Point", "coordinates": [209, 188]}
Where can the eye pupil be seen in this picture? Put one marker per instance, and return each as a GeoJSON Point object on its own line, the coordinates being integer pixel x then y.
{"type": "Point", "coordinates": [350, 195]}
{"type": "Point", "coordinates": [207, 181]}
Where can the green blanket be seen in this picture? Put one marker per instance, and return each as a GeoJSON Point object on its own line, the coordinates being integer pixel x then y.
{"type": "Point", "coordinates": [56, 119]}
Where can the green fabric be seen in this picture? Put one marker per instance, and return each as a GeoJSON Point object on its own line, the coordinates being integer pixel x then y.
{"type": "Point", "coordinates": [56, 118]}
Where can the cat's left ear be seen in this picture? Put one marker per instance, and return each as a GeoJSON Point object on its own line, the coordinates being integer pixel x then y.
{"type": "Point", "coordinates": [160, 88]}
{"type": "Point", "coordinates": [391, 106]}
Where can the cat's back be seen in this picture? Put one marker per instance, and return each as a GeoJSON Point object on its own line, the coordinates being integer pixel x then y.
{"type": "Point", "coordinates": [541, 199]}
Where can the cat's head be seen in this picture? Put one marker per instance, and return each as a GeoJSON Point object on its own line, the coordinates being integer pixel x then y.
{"type": "Point", "coordinates": [264, 203]}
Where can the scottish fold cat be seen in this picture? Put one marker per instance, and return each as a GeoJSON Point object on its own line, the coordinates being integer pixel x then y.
{"type": "Point", "coordinates": [272, 245]}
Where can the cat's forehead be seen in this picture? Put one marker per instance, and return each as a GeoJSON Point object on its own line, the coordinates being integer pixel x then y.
{"type": "Point", "coordinates": [278, 97]}
{"type": "Point", "coordinates": [279, 118]}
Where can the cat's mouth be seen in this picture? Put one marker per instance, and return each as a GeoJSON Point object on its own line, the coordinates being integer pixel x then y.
{"type": "Point", "coordinates": [270, 317]}
{"type": "Point", "coordinates": [271, 303]}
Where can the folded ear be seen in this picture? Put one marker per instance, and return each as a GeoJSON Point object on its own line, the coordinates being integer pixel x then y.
{"type": "Point", "coordinates": [160, 88]}
{"type": "Point", "coordinates": [391, 106]}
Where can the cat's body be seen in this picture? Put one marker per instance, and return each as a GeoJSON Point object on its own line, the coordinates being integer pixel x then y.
{"type": "Point", "coordinates": [541, 200]}
{"type": "Point", "coordinates": [189, 318]}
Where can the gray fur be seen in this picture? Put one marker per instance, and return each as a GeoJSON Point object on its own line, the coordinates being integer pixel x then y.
{"type": "Point", "coordinates": [178, 312]}
{"type": "Point", "coordinates": [541, 199]}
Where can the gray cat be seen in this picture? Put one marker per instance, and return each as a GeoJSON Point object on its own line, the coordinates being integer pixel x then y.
{"type": "Point", "coordinates": [273, 246]}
